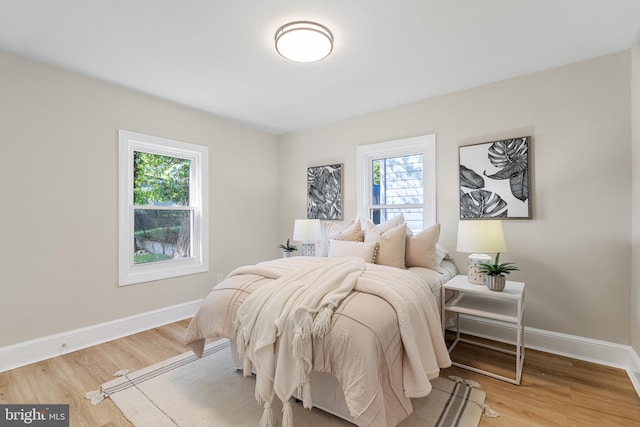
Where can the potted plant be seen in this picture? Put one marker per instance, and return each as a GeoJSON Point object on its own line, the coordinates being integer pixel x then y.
{"type": "Point", "coordinates": [495, 278]}
{"type": "Point", "coordinates": [287, 249]}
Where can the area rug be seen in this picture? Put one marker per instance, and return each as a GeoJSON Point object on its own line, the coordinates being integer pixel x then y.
{"type": "Point", "coordinates": [187, 391]}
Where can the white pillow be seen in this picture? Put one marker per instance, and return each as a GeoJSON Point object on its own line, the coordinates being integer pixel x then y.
{"type": "Point", "coordinates": [421, 249]}
{"type": "Point", "coordinates": [342, 248]}
{"type": "Point", "coordinates": [370, 231]}
{"type": "Point", "coordinates": [442, 253]}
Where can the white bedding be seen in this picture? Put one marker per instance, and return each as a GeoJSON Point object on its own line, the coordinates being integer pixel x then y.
{"type": "Point", "coordinates": [364, 350]}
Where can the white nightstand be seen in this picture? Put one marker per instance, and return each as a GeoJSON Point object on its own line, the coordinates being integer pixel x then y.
{"type": "Point", "coordinates": [477, 300]}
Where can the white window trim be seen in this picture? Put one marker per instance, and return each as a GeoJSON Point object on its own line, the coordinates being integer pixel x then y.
{"type": "Point", "coordinates": [425, 145]}
{"type": "Point", "coordinates": [130, 273]}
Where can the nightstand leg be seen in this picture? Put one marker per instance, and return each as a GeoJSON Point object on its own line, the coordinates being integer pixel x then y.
{"type": "Point", "coordinates": [519, 345]}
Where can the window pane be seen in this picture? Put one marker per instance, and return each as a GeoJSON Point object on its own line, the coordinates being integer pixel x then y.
{"type": "Point", "coordinates": [161, 235]}
{"type": "Point", "coordinates": [160, 180]}
{"type": "Point", "coordinates": [398, 180]}
{"type": "Point", "coordinates": [413, 216]}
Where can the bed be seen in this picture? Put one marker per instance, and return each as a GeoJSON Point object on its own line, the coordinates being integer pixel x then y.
{"type": "Point", "coordinates": [379, 341]}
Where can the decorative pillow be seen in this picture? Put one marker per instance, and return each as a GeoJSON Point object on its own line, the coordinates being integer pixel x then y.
{"type": "Point", "coordinates": [368, 227]}
{"type": "Point", "coordinates": [392, 223]}
{"type": "Point", "coordinates": [442, 253]}
{"type": "Point", "coordinates": [391, 246]}
{"type": "Point", "coordinates": [331, 230]}
{"type": "Point", "coordinates": [421, 249]}
{"type": "Point", "coordinates": [364, 250]}
{"type": "Point", "coordinates": [370, 231]}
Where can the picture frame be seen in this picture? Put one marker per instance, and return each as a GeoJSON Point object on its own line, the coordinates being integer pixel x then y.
{"type": "Point", "coordinates": [495, 179]}
{"type": "Point", "coordinates": [324, 192]}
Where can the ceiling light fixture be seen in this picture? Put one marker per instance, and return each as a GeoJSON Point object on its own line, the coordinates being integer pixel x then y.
{"type": "Point", "coordinates": [304, 41]}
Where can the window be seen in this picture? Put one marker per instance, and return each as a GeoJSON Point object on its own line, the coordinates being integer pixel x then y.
{"type": "Point", "coordinates": [163, 208]}
{"type": "Point", "coordinates": [398, 177]}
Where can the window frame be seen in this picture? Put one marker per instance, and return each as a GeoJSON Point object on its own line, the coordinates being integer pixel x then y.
{"type": "Point", "coordinates": [366, 154]}
{"type": "Point", "coordinates": [130, 273]}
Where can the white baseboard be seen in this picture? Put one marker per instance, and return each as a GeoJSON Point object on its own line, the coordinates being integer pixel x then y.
{"type": "Point", "coordinates": [587, 349]}
{"type": "Point", "coordinates": [634, 370]}
{"type": "Point", "coordinates": [27, 352]}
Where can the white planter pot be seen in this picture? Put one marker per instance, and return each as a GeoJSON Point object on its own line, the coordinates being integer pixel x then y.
{"type": "Point", "coordinates": [495, 283]}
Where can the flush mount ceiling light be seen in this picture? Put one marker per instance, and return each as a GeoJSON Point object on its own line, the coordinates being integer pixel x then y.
{"type": "Point", "coordinates": [304, 41]}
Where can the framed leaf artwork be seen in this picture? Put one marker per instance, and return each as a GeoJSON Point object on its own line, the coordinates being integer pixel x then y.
{"type": "Point", "coordinates": [324, 192]}
{"type": "Point", "coordinates": [494, 180]}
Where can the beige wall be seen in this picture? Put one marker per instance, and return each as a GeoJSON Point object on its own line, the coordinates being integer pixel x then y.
{"type": "Point", "coordinates": [58, 164]}
{"type": "Point", "coordinates": [575, 253]}
{"type": "Point", "coordinates": [59, 217]}
{"type": "Point", "coordinates": [635, 260]}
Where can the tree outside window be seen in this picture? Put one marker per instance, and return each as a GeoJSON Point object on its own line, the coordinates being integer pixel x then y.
{"type": "Point", "coordinates": [161, 181]}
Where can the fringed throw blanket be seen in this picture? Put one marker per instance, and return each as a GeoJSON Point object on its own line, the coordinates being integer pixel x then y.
{"type": "Point", "coordinates": [288, 311]}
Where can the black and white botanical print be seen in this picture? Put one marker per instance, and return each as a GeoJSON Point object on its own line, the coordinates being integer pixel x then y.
{"type": "Point", "coordinates": [324, 192]}
{"type": "Point", "coordinates": [494, 179]}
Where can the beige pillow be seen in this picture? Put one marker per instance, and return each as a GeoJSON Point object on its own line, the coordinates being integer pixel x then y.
{"type": "Point", "coordinates": [331, 230]}
{"type": "Point", "coordinates": [342, 248]}
{"type": "Point", "coordinates": [421, 249]}
{"type": "Point", "coordinates": [368, 227]}
{"type": "Point", "coordinates": [391, 246]}
{"type": "Point", "coordinates": [392, 223]}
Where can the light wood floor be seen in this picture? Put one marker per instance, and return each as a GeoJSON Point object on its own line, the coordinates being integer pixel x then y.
{"type": "Point", "coordinates": [555, 390]}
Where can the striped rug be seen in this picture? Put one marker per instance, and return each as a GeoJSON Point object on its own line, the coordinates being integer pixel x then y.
{"type": "Point", "coordinates": [187, 391]}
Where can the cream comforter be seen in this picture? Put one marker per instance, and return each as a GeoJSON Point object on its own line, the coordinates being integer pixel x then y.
{"type": "Point", "coordinates": [385, 341]}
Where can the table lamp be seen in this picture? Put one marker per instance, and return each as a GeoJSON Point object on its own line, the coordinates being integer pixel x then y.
{"type": "Point", "coordinates": [307, 231]}
{"type": "Point", "coordinates": [479, 237]}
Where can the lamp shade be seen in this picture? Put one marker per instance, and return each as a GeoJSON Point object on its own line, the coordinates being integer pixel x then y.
{"type": "Point", "coordinates": [307, 230]}
{"type": "Point", "coordinates": [480, 236]}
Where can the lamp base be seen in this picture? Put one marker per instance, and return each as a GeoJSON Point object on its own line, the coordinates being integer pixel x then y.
{"type": "Point", "coordinates": [308, 248]}
{"type": "Point", "coordinates": [474, 274]}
